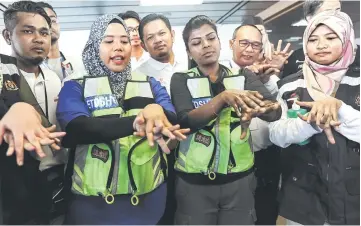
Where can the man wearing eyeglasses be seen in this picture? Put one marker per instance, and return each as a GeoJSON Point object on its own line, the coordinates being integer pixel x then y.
{"type": "Point", "coordinates": [247, 48]}
{"type": "Point", "coordinates": [55, 61]}
{"type": "Point", "coordinates": [139, 56]}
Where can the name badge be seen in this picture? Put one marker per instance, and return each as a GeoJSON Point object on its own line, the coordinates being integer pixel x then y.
{"type": "Point", "coordinates": [101, 102]}
{"type": "Point", "coordinates": [200, 101]}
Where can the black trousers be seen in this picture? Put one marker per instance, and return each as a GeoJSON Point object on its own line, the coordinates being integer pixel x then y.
{"type": "Point", "coordinates": [225, 204]}
{"type": "Point", "coordinates": [268, 170]}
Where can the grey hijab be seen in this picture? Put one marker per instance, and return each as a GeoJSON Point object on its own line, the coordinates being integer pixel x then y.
{"type": "Point", "coordinates": [91, 58]}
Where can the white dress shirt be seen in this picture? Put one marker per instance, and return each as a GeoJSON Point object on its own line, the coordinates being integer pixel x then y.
{"type": "Point", "coordinates": [136, 63]}
{"type": "Point", "coordinates": [258, 127]}
{"type": "Point", "coordinates": [162, 72]}
{"type": "Point", "coordinates": [53, 86]}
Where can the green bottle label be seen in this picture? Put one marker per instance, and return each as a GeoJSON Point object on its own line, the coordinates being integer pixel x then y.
{"type": "Point", "coordinates": [293, 114]}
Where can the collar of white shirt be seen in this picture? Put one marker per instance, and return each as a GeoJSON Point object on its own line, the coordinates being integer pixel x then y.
{"type": "Point", "coordinates": [234, 65]}
{"type": "Point", "coordinates": [159, 65]}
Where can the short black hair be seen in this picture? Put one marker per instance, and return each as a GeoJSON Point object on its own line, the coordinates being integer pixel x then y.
{"type": "Point", "coordinates": [195, 23]}
{"type": "Point", "coordinates": [130, 15]}
{"type": "Point", "coordinates": [149, 18]}
{"type": "Point", "coordinates": [10, 14]}
{"type": "Point", "coordinates": [46, 5]}
{"type": "Point", "coordinates": [249, 21]}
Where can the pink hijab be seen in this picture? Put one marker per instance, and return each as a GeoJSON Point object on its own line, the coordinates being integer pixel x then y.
{"type": "Point", "coordinates": [329, 76]}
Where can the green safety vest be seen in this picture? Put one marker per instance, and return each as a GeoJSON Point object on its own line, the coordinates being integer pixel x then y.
{"type": "Point", "coordinates": [124, 166]}
{"type": "Point", "coordinates": [217, 148]}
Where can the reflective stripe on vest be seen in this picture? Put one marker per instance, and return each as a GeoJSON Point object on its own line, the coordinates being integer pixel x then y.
{"type": "Point", "coordinates": [124, 166]}
{"type": "Point", "coordinates": [217, 147]}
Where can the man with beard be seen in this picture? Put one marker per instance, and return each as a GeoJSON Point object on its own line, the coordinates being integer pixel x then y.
{"type": "Point", "coordinates": [55, 60]}
{"type": "Point", "coordinates": [139, 56]}
{"type": "Point", "coordinates": [27, 194]}
{"type": "Point", "coordinates": [157, 38]}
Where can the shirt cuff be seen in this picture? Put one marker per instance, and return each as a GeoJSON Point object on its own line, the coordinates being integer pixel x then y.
{"type": "Point", "coordinates": [309, 128]}
{"type": "Point", "coordinates": [274, 78]}
{"type": "Point", "coordinates": [342, 112]}
{"type": "Point", "coordinates": [271, 85]}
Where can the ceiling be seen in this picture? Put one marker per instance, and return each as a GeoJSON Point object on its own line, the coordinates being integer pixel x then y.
{"type": "Point", "coordinates": [282, 26]}
{"type": "Point", "coordinates": [79, 15]}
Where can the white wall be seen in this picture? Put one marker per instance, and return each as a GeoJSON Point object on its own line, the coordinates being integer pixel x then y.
{"type": "Point", "coordinates": [72, 44]}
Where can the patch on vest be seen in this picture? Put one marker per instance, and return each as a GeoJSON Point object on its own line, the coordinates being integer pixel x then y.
{"type": "Point", "coordinates": [100, 154]}
{"type": "Point", "coordinates": [203, 139]}
{"type": "Point", "coordinates": [200, 101]}
{"type": "Point", "coordinates": [10, 85]}
{"type": "Point", "coordinates": [101, 102]}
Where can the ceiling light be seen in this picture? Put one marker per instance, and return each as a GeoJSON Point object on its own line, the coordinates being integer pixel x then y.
{"type": "Point", "coordinates": [293, 39]}
{"type": "Point", "coordinates": [169, 2]}
{"type": "Point", "coordinates": [301, 23]}
{"type": "Point", "coordinates": [268, 31]}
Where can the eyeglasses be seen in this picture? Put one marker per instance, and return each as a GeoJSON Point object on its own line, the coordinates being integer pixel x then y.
{"type": "Point", "coordinates": [133, 29]}
{"type": "Point", "coordinates": [254, 45]}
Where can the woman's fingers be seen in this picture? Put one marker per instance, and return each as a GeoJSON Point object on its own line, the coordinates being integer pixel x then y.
{"type": "Point", "coordinates": [334, 112]}
{"type": "Point", "coordinates": [56, 135]}
{"type": "Point", "coordinates": [328, 131]}
{"type": "Point", "coordinates": [19, 147]}
{"type": "Point", "coordinates": [305, 104]}
{"type": "Point", "coordinates": [257, 100]}
{"type": "Point", "coordinates": [312, 115]}
{"type": "Point", "coordinates": [256, 94]}
{"type": "Point", "coordinates": [149, 132]}
{"type": "Point", "coordinates": [51, 128]}
{"type": "Point", "coordinates": [173, 128]}
{"type": "Point", "coordinates": [303, 117]}
{"type": "Point", "coordinates": [55, 147]}
{"type": "Point", "coordinates": [35, 142]}
{"type": "Point", "coordinates": [158, 126]}
{"type": "Point", "coordinates": [180, 134]}
{"type": "Point", "coordinates": [168, 133]}
{"type": "Point", "coordinates": [10, 140]}
{"type": "Point", "coordinates": [238, 105]}
{"type": "Point", "coordinates": [319, 115]}
{"type": "Point", "coordinates": [162, 144]}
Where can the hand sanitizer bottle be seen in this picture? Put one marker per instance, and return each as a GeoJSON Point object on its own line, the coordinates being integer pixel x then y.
{"type": "Point", "coordinates": [292, 113]}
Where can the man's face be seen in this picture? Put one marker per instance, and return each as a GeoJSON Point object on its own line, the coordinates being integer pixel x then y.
{"type": "Point", "coordinates": [158, 39]}
{"type": "Point", "coordinates": [55, 28]}
{"type": "Point", "coordinates": [30, 38]}
{"type": "Point", "coordinates": [246, 46]}
{"type": "Point", "coordinates": [133, 26]}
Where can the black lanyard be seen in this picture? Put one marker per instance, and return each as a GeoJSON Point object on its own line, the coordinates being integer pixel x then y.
{"type": "Point", "coordinates": [46, 94]}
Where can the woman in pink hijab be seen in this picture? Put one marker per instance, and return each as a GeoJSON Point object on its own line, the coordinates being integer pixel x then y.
{"type": "Point", "coordinates": [321, 177]}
